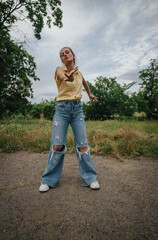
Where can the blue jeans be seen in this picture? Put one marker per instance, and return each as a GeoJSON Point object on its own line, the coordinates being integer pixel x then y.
{"type": "Point", "coordinates": [68, 112]}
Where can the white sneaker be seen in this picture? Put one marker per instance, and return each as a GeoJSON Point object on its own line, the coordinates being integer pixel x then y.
{"type": "Point", "coordinates": [44, 188]}
{"type": "Point", "coordinates": [95, 185]}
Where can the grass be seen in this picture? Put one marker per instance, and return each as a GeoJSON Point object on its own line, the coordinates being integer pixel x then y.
{"type": "Point", "coordinates": [112, 137]}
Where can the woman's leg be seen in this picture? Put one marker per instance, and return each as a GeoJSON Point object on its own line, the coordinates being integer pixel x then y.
{"type": "Point", "coordinates": [87, 171]}
{"type": "Point", "coordinates": [53, 172]}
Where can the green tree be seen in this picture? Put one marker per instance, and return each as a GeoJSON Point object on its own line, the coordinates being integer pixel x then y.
{"type": "Point", "coordinates": [129, 105]}
{"type": "Point", "coordinates": [141, 103]}
{"type": "Point", "coordinates": [112, 99]}
{"type": "Point", "coordinates": [148, 95]}
{"type": "Point", "coordinates": [36, 11]}
{"type": "Point", "coordinates": [45, 108]}
{"type": "Point", "coordinates": [17, 69]}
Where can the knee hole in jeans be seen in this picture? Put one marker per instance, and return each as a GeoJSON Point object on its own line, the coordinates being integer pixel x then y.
{"type": "Point", "coordinates": [83, 149]}
{"type": "Point", "coordinates": [58, 148]}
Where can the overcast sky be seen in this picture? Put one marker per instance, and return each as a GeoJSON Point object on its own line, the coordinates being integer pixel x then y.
{"type": "Point", "coordinates": [111, 38]}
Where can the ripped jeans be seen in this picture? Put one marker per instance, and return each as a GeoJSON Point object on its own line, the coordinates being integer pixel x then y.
{"type": "Point", "coordinates": [68, 112]}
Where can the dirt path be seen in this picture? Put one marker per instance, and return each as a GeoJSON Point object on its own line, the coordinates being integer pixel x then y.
{"type": "Point", "coordinates": [126, 206]}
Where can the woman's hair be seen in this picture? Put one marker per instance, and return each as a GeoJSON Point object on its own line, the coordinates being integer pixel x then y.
{"type": "Point", "coordinates": [71, 52]}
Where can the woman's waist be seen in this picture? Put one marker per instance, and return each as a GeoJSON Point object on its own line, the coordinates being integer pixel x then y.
{"type": "Point", "coordinates": [76, 101]}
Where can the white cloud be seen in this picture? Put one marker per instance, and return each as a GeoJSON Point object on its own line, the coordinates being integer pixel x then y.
{"type": "Point", "coordinates": [112, 38]}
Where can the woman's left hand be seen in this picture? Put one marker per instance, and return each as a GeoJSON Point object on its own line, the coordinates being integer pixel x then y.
{"type": "Point", "coordinates": [93, 98]}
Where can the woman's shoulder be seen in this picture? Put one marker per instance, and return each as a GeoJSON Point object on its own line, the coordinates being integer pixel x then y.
{"type": "Point", "coordinates": [59, 69]}
{"type": "Point", "coordinates": [79, 73]}
{"type": "Point", "coordinates": [62, 67]}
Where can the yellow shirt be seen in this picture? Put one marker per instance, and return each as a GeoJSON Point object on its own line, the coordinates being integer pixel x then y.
{"type": "Point", "coordinates": [69, 90]}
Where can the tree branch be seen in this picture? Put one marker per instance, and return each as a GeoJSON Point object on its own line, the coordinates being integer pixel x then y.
{"type": "Point", "coordinates": [19, 5]}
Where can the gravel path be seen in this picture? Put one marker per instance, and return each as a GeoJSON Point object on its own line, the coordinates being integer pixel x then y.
{"type": "Point", "coordinates": [125, 207]}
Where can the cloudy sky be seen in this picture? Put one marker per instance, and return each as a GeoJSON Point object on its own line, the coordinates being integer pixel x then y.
{"type": "Point", "coordinates": [111, 38]}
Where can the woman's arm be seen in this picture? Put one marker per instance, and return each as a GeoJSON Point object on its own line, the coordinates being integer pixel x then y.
{"type": "Point", "coordinates": [62, 76]}
{"type": "Point", "coordinates": [85, 84]}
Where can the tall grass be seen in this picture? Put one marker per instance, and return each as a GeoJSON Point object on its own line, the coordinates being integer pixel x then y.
{"type": "Point", "coordinates": [112, 137]}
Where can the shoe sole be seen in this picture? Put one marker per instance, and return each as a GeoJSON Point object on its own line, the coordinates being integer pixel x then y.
{"type": "Point", "coordinates": [44, 191]}
{"type": "Point", "coordinates": [95, 188]}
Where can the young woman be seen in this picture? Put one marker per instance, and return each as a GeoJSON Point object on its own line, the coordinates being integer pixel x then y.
{"type": "Point", "coordinates": [69, 82]}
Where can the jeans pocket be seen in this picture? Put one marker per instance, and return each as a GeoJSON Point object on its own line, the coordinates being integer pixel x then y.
{"type": "Point", "coordinates": [79, 105]}
{"type": "Point", "coordinates": [61, 104]}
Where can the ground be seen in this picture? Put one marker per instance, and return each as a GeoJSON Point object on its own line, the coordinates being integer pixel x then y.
{"type": "Point", "coordinates": [125, 207]}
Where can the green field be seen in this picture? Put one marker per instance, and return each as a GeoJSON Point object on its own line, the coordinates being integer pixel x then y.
{"type": "Point", "coordinates": [120, 139]}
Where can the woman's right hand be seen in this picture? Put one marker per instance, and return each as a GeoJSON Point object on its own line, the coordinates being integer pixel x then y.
{"type": "Point", "coordinates": [69, 76]}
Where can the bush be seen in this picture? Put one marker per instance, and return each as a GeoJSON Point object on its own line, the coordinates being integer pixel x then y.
{"type": "Point", "coordinates": [44, 108]}
{"type": "Point", "coordinates": [49, 109]}
{"type": "Point", "coordinates": [36, 110]}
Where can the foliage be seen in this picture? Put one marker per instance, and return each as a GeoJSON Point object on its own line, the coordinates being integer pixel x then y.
{"type": "Point", "coordinates": [44, 109]}
{"type": "Point", "coordinates": [148, 95]}
{"type": "Point", "coordinates": [17, 69]}
{"type": "Point", "coordinates": [49, 109]}
{"type": "Point", "coordinates": [112, 99]}
{"type": "Point", "coordinates": [34, 10]}
{"type": "Point", "coordinates": [129, 106]}
{"type": "Point", "coordinates": [140, 102]}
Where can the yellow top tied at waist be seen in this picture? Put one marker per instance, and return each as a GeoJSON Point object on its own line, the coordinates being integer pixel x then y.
{"type": "Point", "coordinates": [69, 90]}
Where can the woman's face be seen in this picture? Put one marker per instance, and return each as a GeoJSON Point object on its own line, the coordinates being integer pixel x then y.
{"type": "Point", "coordinates": [66, 55]}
